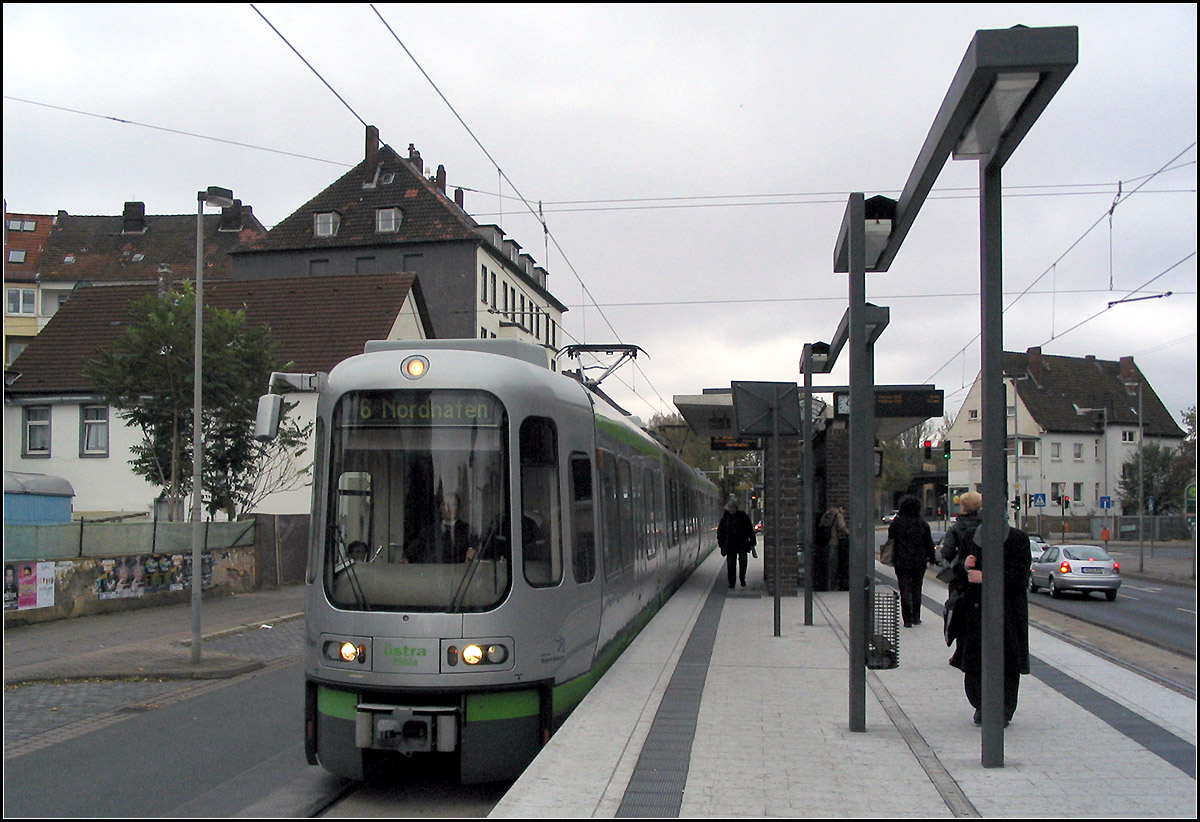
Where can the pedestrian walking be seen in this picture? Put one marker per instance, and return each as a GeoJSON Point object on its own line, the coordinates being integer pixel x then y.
{"type": "Point", "coordinates": [912, 553]}
{"type": "Point", "coordinates": [735, 537]}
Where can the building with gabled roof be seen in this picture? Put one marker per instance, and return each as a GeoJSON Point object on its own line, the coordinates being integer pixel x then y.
{"type": "Point", "coordinates": [1072, 423]}
{"type": "Point", "coordinates": [386, 215]}
{"type": "Point", "coordinates": [131, 247]}
{"type": "Point", "coordinates": [56, 424]}
{"type": "Point", "coordinates": [25, 237]}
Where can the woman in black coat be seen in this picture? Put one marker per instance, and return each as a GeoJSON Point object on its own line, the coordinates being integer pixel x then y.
{"type": "Point", "coordinates": [967, 624]}
{"type": "Point", "coordinates": [912, 552]}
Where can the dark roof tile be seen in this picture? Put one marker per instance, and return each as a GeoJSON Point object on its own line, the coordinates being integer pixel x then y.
{"type": "Point", "coordinates": [316, 322]}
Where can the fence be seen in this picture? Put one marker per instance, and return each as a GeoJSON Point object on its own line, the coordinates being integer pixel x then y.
{"type": "Point", "coordinates": [78, 540]}
{"type": "Point", "coordinates": [1122, 528]}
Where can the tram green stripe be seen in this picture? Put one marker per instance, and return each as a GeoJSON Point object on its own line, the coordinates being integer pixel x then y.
{"type": "Point", "coordinates": [337, 704]}
{"type": "Point", "coordinates": [504, 705]}
{"type": "Point", "coordinates": [619, 432]}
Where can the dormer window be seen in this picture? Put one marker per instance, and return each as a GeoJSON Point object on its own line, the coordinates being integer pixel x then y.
{"type": "Point", "coordinates": [387, 220]}
{"type": "Point", "coordinates": [325, 224]}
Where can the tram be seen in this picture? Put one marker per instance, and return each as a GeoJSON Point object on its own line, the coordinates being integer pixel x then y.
{"type": "Point", "coordinates": [487, 536]}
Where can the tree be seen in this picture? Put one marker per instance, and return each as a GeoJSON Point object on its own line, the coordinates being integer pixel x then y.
{"type": "Point", "coordinates": [147, 376]}
{"type": "Point", "coordinates": [1166, 471]}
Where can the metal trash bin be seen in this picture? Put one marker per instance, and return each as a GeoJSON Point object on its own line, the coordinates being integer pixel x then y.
{"type": "Point", "coordinates": [883, 647]}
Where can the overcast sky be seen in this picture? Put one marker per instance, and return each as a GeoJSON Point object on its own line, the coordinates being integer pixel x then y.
{"type": "Point", "coordinates": [692, 162]}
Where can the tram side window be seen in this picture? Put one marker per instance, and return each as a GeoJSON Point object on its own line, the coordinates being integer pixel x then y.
{"type": "Point", "coordinates": [582, 518]}
{"type": "Point", "coordinates": [628, 524]}
{"type": "Point", "coordinates": [610, 511]}
{"type": "Point", "coordinates": [541, 529]}
{"type": "Point", "coordinates": [650, 512]}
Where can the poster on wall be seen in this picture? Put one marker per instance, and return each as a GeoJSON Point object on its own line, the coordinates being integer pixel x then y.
{"type": "Point", "coordinates": [138, 575]}
{"type": "Point", "coordinates": [28, 585]}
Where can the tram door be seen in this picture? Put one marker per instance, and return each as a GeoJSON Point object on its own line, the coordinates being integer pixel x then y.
{"type": "Point", "coordinates": [557, 543]}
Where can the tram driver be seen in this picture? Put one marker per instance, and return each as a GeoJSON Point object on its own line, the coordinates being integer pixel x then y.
{"type": "Point", "coordinates": [447, 541]}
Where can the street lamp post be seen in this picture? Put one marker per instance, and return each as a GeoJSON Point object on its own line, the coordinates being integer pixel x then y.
{"type": "Point", "coordinates": [1006, 79]}
{"type": "Point", "coordinates": [221, 197]}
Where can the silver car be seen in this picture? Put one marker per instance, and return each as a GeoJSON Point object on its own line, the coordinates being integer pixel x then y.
{"type": "Point", "coordinates": [1083, 568]}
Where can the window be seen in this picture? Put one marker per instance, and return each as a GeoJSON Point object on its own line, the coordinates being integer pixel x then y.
{"type": "Point", "coordinates": [22, 225]}
{"type": "Point", "coordinates": [973, 414]}
{"type": "Point", "coordinates": [541, 537]}
{"type": "Point", "coordinates": [17, 255]}
{"type": "Point", "coordinates": [36, 431]}
{"type": "Point", "coordinates": [93, 431]}
{"type": "Point", "coordinates": [582, 519]}
{"type": "Point", "coordinates": [387, 220]}
{"type": "Point", "coordinates": [1028, 448]}
{"type": "Point", "coordinates": [1077, 450]}
{"type": "Point", "coordinates": [22, 301]}
{"type": "Point", "coordinates": [326, 223]}
{"type": "Point", "coordinates": [493, 296]}
{"type": "Point", "coordinates": [1128, 436]}
{"type": "Point", "coordinates": [1057, 489]}
{"type": "Point", "coordinates": [483, 284]}
{"type": "Point", "coordinates": [1055, 450]}
{"type": "Point", "coordinates": [1078, 495]}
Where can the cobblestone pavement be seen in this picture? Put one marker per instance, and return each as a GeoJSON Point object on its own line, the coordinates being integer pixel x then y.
{"type": "Point", "coordinates": [52, 711]}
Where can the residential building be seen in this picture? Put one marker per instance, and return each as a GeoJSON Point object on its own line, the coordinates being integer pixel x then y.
{"type": "Point", "coordinates": [1072, 423]}
{"type": "Point", "coordinates": [25, 238]}
{"type": "Point", "coordinates": [57, 425]}
{"type": "Point", "coordinates": [386, 215]}
{"type": "Point", "coordinates": [49, 256]}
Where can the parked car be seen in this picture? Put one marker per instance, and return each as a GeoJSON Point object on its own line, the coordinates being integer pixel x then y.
{"type": "Point", "coordinates": [890, 516]}
{"type": "Point", "coordinates": [1083, 568]}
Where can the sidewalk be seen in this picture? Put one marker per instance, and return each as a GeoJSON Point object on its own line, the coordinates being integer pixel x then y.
{"type": "Point", "coordinates": [153, 642]}
{"type": "Point", "coordinates": [771, 735]}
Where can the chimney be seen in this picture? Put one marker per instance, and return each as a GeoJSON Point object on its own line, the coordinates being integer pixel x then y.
{"type": "Point", "coordinates": [164, 275]}
{"type": "Point", "coordinates": [414, 157]}
{"type": "Point", "coordinates": [1129, 372]}
{"type": "Point", "coordinates": [133, 220]}
{"type": "Point", "coordinates": [1036, 366]}
{"type": "Point", "coordinates": [458, 198]}
{"type": "Point", "coordinates": [440, 178]}
{"type": "Point", "coordinates": [231, 217]}
{"type": "Point", "coordinates": [372, 149]}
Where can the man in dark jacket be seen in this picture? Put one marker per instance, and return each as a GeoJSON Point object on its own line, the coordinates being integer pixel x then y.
{"type": "Point", "coordinates": [968, 655]}
{"type": "Point", "coordinates": [735, 536]}
{"type": "Point", "coordinates": [912, 553]}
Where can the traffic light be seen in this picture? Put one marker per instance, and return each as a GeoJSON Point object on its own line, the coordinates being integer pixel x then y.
{"type": "Point", "coordinates": [928, 449]}
{"type": "Point", "coordinates": [1016, 503]}
{"type": "Point", "coordinates": [946, 449]}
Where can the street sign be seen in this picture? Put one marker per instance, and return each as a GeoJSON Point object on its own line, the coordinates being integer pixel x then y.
{"type": "Point", "coordinates": [1106, 502]}
{"type": "Point", "coordinates": [1039, 500]}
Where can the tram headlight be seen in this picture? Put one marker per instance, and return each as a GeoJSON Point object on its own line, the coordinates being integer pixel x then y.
{"type": "Point", "coordinates": [346, 650]}
{"type": "Point", "coordinates": [414, 367]}
{"type": "Point", "coordinates": [478, 654]}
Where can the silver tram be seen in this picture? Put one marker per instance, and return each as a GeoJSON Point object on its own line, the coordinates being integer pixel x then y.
{"type": "Point", "coordinates": [487, 537]}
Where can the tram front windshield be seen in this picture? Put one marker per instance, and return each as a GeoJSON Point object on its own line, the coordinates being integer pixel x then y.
{"type": "Point", "coordinates": [417, 516]}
